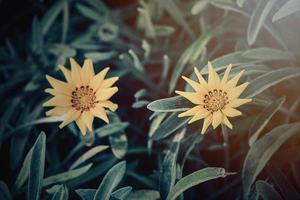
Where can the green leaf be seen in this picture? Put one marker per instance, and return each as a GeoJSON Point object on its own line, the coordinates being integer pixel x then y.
{"type": "Point", "coordinates": [37, 167]}
{"type": "Point", "coordinates": [110, 181]}
{"type": "Point", "coordinates": [122, 193]}
{"type": "Point", "coordinates": [100, 56]}
{"type": "Point", "coordinates": [65, 176]}
{"type": "Point", "coordinates": [176, 14]}
{"type": "Point", "coordinates": [118, 143]}
{"type": "Point", "coordinates": [267, 54]}
{"type": "Point", "coordinates": [240, 3]}
{"type": "Point", "coordinates": [50, 16]}
{"type": "Point", "coordinates": [190, 55]}
{"type": "Point", "coordinates": [171, 124]}
{"type": "Point", "coordinates": [89, 13]}
{"type": "Point", "coordinates": [110, 129]}
{"type": "Point", "coordinates": [171, 104]}
{"type": "Point", "coordinates": [37, 37]}
{"type": "Point", "coordinates": [199, 6]}
{"type": "Point", "coordinates": [136, 61]}
{"type": "Point", "coordinates": [86, 194]}
{"type": "Point", "coordinates": [257, 19]}
{"type": "Point", "coordinates": [144, 194]}
{"type": "Point", "coordinates": [290, 7]}
{"type": "Point", "coordinates": [267, 191]}
{"type": "Point", "coordinates": [61, 193]}
{"type": "Point", "coordinates": [269, 79]}
{"type": "Point", "coordinates": [194, 179]}
{"type": "Point", "coordinates": [163, 30]}
{"type": "Point", "coordinates": [24, 171]}
{"type": "Point", "coordinates": [89, 154]}
{"type": "Point", "coordinates": [261, 152]}
{"type": "Point", "coordinates": [140, 104]}
{"type": "Point", "coordinates": [4, 191]}
{"type": "Point", "coordinates": [168, 173]}
{"type": "Point", "coordinates": [263, 119]}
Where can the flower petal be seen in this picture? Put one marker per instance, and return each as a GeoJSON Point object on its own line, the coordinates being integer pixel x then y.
{"type": "Point", "coordinates": [199, 115]}
{"type": "Point", "coordinates": [231, 112]}
{"type": "Point", "coordinates": [191, 111]}
{"type": "Point", "coordinates": [99, 112]}
{"type": "Point", "coordinates": [207, 121]}
{"type": "Point", "coordinates": [72, 115]}
{"type": "Point", "coordinates": [58, 100]}
{"type": "Point", "coordinates": [58, 111]}
{"type": "Point", "coordinates": [202, 81]}
{"type": "Point", "coordinates": [193, 97]}
{"type": "Point", "coordinates": [105, 94]}
{"type": "Point", "coordinates": [82, 127]}
{"type": "Point", "coordinates": [217, 119]}
{"type": "Point", "coordinates": [237, 91]}
{"type": "Point", "coordinates": [98, 79]}
{"type": "Point", "coordinates": [213, 77]}
{"type": "Point", "coordinates": [66, 73]}
{"type": "Point", "coordinates": [233, 82]}
{"type": "Point", "coordinates": [63, 87]}
{"type": "Point", "coordinates": [76, 73]}
{"type": "Point", "coordinates": [108, 82]}
{"type": "Point", "coordinates": [226, 74]}
{"type": "Point", "coordinates": [110, 105]}
{"type": "Point", "coordinates": [88, 118]}
{"type": "Point", "coordinates": [238, 102]}
{"type": "Point", "coordinates": [87, 72]}
{"type": "Point", "coordinates": [227, 122]}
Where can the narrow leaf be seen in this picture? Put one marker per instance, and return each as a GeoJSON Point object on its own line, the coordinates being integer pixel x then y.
{"type": "Point", "coordinates": [112, 178]}
{"type": "Point", "coordinates": [4, 191]}
{"type": "Point", "coordinates": [287, 9]}
{"type": "Point", "coordinates": [122, 193]}
{"type": "Point", "coordinates": [267, 191]}
{"type": "Point", "coordinates": [24, 171]}
{"type": "Point", "coordinates": [86, 194]}
{"type": "Point", "coordinates": [61, 194]}
{"type": "Point", "coordinates": [172, 104]}
{"type": "Point", "coordinates": [118, 143]}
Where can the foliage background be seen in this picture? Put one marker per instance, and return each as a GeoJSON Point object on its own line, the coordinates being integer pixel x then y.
{"type": "Point", "coordinates": [144, 154]}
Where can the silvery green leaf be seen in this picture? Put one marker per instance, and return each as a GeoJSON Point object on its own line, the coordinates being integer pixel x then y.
{"type": "Point", "coordinates": [267, 191]}
{"type": "Point", "coordinates": [51, 15]}
{"type": "Point", "coordinates": [4, 191]}
{"type": "Point", "coordinates": [171, 104]}
{"type": "Point", "coordinates": [108, 32]}
{"type": "Point", "coordinates": [62, 193]}
{"type": "Point", "coordinates": [37, 167]}
{"type": "Point", "coordinates": [89, 154]}
{"type": "Point", "coordinates": [65, 176]}
{"type": "Point", "coordinates": [264, 53]}
{"type": "Point", "coordinates": [86, 194]}
{"type": "Point", "coordinates": [118, 143]}
{"type": "Point", "coordinates": [199, 6]}
{"type": "Point", "coordinates": [24, 171]}
{"type": "Point", "coordinates": [140, 104]}
{"type": "Point", "coordinates": [110, 129]}
{"type": "Point", "coordinates": [100, 56]}
{"type": "Point", "coordinates": [194, 179]}
{"type": "Point", "coordinates": [240, 3]}
{"type": "Point", "coordinates": [144, 194]}
{"type": "Point", "coordinates": [122, 193]}
{"type": "Point", "coordinates": [89, 13]}
{"type": "Point", "coordinates": [263, 119]}
{"type": "Point", "coordinates": [258, 18]}
{"type": "Point", "coordinates": [261, 151]}
{"type": "Point", "coordinates": [136, 61]}
{"type": "Point", "coordinates": [110, 181]}
{"type": "Point", "coordinates": [290, 7]}
{"type": "Point", "coordinates": [163, 30]}
{"type": "Point", "coordinates": [140, 94]}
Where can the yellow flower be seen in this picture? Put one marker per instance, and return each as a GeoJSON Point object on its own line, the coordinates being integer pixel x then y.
{"type": "Point", "coordinates": [82, 97]}
{"type": "Point", "coordinates": [216, 99]}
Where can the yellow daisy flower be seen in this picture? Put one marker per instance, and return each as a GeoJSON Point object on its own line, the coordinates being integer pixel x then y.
{"type": "Point", "coordinates": [216, 99]}
{"type": "Point", "coordinates": [82, 97]}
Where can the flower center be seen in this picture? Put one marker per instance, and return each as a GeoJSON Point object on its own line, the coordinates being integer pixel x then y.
{"type": "Point", "coordinates": [215, 100]}
{"type": "Point", "coordinates": [83, 98]}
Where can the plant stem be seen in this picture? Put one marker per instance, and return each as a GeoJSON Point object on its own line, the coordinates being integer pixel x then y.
{"type": "Point", "coordinates": [226, 147]}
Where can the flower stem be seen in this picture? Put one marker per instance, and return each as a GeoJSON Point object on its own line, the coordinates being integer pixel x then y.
{"type": "Point", "coordinates": [226, 147]}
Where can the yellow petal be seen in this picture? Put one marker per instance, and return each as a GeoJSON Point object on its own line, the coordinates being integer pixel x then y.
{"type": "Point", "coordinates": [193, 97]}
{"type": "Point", "coordinates": [76, 73]}
{"type": "Point", "coordinates": [63, 87]}
{"type": "Point", "coordinates": [227, 122]}
{"type": "Point", "coordinates": [66, 72]}
{"type": "Point", "coordinates": [199, 115]}
{"type": "Point", "coordinates": [201, 79]}
{"type": "Point", "coordinates": [99, 112]}
{"type": "Point", "coordinates": [237, 91]}
{"type": "Point", "coordinates": [105, 94]}
{"type": "Point", "coordinates": [110, 105]}
{"type": "Point", "coordinates": [58, 100]}
{"type": "Point", "coordinates": [233, 82]}
{"type": "Point", "coordinates": [196, 86]}
{"type": "Point", "coordinates": [82, 127]}
{"type": "Point", "coordinates": [217, 119]}
{"type": "Point", "coordinates": [70, 116]}
{"type": "Point", "coordinates": [238, 102]}
{"type": "Point", "coordinates": [207, 121]}
{"type": "Point", "coordinates": [191, 111]}
{"type": "Point", "coordinates": [226, 74]}
{"type": "Point", "coordinates": [108, 82]}
{"type": "Point", "coordinates": [58, 111]}
{"type": "Point", "coordinates": [213, 77]}
{"type": "Point", "coordinates": [98, 79]}
{"type": "Point", "coordinates": [231, 112]}
{"type": "Point", "coordinates": [88, 118]}
{"type": "Point", "coordinates": [55, 92]}
{"type": "Point", "coordinates": [87, 72]}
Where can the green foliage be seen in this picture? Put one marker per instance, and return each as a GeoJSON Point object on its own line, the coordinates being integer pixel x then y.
{"type": "Point", "coordinates": [146, 151]}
